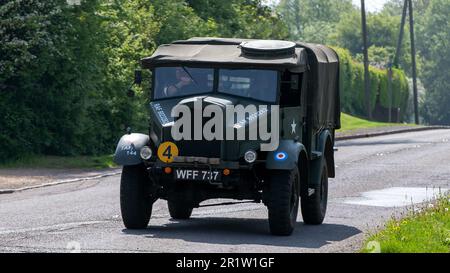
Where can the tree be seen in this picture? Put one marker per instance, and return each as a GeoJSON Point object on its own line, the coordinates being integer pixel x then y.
{"type": "Point", "coordinates": [257, 21]}
{"type": "Point", "coordinates": [394, 7]}
{"type": "Point", "coordinates": [382, 31]}
{"type": "Point", "coordinates": [433, 42]}
{"type": "Point", "coordinates": [178, 21]}
{"type": "Point", "coordinates": [313, 20]}
{"type": "Point", "coordinates": [241, 18]}
{"type": "Point", "coordinates": [50, 63]}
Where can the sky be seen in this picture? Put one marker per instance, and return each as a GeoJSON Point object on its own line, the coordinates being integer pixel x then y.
{"type": "Point", "coordinates": [371, 5]}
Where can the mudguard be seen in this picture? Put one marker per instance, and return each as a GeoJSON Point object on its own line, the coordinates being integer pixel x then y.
{"type": "Point", "coordinates": [285, 157]}
{"type": "Point", "coordinates": [316, 163]}
{"type": "Point", "coordinates": [129, 148]}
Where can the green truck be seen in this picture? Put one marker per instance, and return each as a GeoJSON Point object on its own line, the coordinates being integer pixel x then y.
{"type": "Point", "coordinates": [207, 91]}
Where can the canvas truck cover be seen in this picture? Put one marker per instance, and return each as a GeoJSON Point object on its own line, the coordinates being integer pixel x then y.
{"type": "Point", "coordinates": [323, 86]}
{"type": "Point", "coordinates": [321, 61]}
{"type": "Point", "coordinates": [220, 53]}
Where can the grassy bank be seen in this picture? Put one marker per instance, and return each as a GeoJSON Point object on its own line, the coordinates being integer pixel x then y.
{"type": "Point", "coordinates": [350, 123]}
{"type": "Point", "coordinates": [62, 162]}
{"type": "Point", "coordinates": [427, 231]}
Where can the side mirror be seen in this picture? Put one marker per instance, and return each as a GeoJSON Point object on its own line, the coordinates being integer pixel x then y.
{"type": "Point", "coordinates": [137, 81]}
{"type": "Point", "coordinates": [137, 77]}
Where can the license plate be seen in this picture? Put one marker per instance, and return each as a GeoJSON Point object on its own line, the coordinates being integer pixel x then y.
{"type": "Point", "coordinates": [200, 175]}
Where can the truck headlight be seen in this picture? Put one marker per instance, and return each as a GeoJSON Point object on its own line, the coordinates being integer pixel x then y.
{"type": "Point", "coordinates": [146, 153]}
{"type": "Point", "coordinates": [250, 156]}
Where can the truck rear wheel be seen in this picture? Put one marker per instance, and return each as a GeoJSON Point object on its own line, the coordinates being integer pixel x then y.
{"type": "Point", "coordinates": [179, 210]}
{"type": "Point", "coordinates": [314, 207]}
{"type": "Point", "coordinates": [283, 201]}
{"type": "Point", "coordinates": [135, 199]}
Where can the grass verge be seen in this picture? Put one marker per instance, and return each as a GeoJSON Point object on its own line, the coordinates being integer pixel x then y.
{"type": "Point", "coordinates": [422, 231]}
{"type": "Point", "coordinates": [350, 123]}
{"type": "Point", "coordinates": [62, 162]}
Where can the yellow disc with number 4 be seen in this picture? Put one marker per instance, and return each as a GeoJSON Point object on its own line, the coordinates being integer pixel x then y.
{"type": "Point", "coordinates": [167, 151]}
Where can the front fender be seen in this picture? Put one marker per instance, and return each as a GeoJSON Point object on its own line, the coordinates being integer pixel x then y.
{"type": "Point", "coordinates": [129, 148]}
{"type": "Point", "coordinates": [285, 157]}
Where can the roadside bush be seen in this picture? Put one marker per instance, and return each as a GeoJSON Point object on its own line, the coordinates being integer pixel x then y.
{"type": "Point", "coordinates": [352, 86]}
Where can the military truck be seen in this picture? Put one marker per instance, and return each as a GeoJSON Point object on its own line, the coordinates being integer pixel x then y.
{"type": "Point", "coordinates": [301, 79]}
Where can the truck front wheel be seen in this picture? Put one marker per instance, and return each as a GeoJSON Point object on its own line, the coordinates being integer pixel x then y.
{"type": "Point", "coordinates": [283, 201]}
{"type": "Point", "coordinates": [314, 204]}
{"type": "Point", "coordinates": [135, 199]}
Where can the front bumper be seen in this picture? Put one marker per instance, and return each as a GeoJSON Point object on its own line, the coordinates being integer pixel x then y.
{"type": "Point", "coordinates": [242, 183]}
{"type": "Point", "coordinates": [239, 173]}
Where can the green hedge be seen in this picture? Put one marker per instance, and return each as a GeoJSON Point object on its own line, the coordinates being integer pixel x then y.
{"type": "Point", "coordinates": [352, 86]}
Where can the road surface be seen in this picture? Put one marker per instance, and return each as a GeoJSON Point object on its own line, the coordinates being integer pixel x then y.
{"type": "Point", "coordinates": [376, 179]}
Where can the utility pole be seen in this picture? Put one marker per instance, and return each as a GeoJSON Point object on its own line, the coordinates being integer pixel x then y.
{"type": "Point", "coordinates": [390, 90]}
{"type": "Point", "coordinates": [413, 60]}
{"type": "Point", "coordinates": [400, 36]}
{"type": "Point", "coordinates": [408, 4]}
{"type": "Point", "coordinates": [396, 56]}
{"type": "Point", "coordinates": [366, 61]}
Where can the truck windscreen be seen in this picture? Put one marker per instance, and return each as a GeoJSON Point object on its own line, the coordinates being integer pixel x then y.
{"type": "Point", "coordinates": [173, 82]}
{"type": "Point", "coordinates": [256, 84]}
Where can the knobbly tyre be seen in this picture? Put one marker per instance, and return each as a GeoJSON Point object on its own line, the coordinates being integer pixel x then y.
{"type": "Point", "coordinates": [301, 79]}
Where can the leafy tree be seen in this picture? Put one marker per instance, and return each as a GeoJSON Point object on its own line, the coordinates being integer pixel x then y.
{"type": "Point", "coordinates": [378, 56]}
{"type": "Point", "coordinates": [313, 20]}
{"type": "Point", "coordinates": [395, 7]}
{"type": "Point", "coordinates": [179, 21]}
{"type": "Point", "coordinates": [49, 56]}
{"type": "Point", "coordinates": [259, 22]}
{"type": "Point", "coordinates": [382, 31]}
{"type": "Point", "coordinates": [241, 18]}
{"type": "Point", "coordinates": [432, 25]}
{"type": "Point", "coordinates": [433, 42]}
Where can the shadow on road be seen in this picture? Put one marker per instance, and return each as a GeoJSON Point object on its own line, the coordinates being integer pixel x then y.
{"type": "Point", "coordinates": [232, 231]}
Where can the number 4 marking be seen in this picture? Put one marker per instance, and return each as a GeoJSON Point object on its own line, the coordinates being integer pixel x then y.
{"type": "Point", "coordinates": [167, 153]}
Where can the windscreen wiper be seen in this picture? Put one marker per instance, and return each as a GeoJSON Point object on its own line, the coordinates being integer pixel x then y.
{"type": "Point", "coordinates": [189, 74]}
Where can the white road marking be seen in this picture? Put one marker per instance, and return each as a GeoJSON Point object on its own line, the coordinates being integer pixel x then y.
{"type": "Point", "coordinates": [396, 197]}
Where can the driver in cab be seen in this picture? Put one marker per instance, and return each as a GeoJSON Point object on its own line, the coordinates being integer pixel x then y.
{"type": "Point", "coordinates": [183, 84]}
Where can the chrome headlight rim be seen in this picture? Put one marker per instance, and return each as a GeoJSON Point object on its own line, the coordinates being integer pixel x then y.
{"type": "Point", "coordinates": [250, 156]}
{"type": "Point", "coordinates": [146, 153]}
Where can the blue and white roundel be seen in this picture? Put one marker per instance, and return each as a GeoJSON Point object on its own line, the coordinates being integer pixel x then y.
{"type": "Point", "coordinates": [281, 156]}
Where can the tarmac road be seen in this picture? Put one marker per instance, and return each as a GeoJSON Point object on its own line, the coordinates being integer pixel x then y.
{"type": "Point", "coordinates": [376, 178]}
